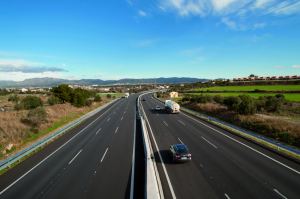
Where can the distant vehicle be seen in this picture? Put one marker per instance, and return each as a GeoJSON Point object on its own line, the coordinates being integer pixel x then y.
{"type": "Point", "coordinates": [180, 153]}
{"type": "Point", "coordinates": [172, 107]}
{"type": "Point", "coordinates": [126, 95]}
{"type": "Point", "coordinates": [157, 108]}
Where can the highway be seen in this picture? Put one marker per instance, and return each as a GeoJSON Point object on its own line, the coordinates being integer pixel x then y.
{"type": "Point", "coordinates": [94, 160]}
{"type": "Point", "coordinates": [223, 165]}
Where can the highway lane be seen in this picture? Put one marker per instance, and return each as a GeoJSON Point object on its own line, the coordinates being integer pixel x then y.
{"type": "Point", "coordinates": [95, 163]}
{"type": "Point", "coordinates": [221, 167]}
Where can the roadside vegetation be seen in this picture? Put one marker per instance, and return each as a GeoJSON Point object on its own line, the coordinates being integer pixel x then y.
{"type": "Point", "coordinates": [275, 114]}
{"type": "Point", "coordinates": [24, 118]}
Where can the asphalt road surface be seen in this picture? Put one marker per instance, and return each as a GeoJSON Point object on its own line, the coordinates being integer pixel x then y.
{"type": "Point", "coordinates": [222, 166]}
{"type": "Point", "coordinates": [92, 161]}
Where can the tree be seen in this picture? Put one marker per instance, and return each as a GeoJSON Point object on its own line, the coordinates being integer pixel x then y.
{"type": "Point", "coordinates": [63, 92]}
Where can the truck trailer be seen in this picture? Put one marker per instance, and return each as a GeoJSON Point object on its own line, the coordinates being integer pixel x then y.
{"type": "Point", "coordinates": [172, 107]}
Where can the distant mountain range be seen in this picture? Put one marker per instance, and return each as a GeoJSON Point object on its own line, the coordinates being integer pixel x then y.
{"type": "Point", "coordinates": [49, 82]}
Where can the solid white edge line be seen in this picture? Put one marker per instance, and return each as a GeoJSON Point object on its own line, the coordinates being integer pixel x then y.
{"type": "Point", "coordinates": [280, 194]}
{"type": "Point", "coordinates": [133, 160]}
{"type": "Point", "coordinates": [270, 158]}
{"type": "Point", "coordinates": [209, 142]}
{"type": "Point", "coordinates": [160, 157]}
{"type": "Point", "coordinates": [22, 176]}
{"type": "Point", "coordinates": [104, 154]}
{"type": "Point", "coordinates": [74, 157]}
{"type": "Point", "coordinates": [225, 194]}
{"type": "Point", "coordinates": [180, 140]}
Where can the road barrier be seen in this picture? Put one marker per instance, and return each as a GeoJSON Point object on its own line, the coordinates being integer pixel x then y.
{"type": "Point", "coordinates": [152, 181]}
{"type": "Point", "coordinates": [278, 147]}
{"type": "Point", "coordinates": [7, 163]}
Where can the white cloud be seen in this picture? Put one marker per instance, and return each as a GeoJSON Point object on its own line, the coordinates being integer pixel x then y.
{"type": "Point", "coordinates": [142, 13]}
{"type": "Point", "coordinates": [19, 76]}
{"type": "Point", "coordinates": [262, 3]}
{"type": "Point", "coordinates": [230, 7]}
{"type": "Point", "coordinates": [285, 8]}
{"type": "Point", "coordinates": [229, 23]}
{"type": "Point", "coordinates": [219, 5]}
{"type": "Point", "coordinates": [24, 66]}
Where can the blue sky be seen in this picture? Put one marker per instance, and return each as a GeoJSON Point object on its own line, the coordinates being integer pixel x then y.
{"type": "Point", "coordinates": [116, 39]}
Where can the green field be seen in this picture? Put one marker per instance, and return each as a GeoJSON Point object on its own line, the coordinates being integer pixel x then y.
{"type": "Point", "coordinates": [251, 88]}
{"type": "Point", "coordinates": [293, 97]}
{"type": "Point", "coordinates": [112, 94]}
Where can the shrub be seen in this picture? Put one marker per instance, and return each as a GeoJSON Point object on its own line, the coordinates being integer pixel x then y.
{"type": "Point", "coordinates": [108, 96]}
{"type": "Point", "coordinates": [232, 103]}
{"type": "Point", "coordinates": [53, 100]}
{"type": "Point", "coordinates": [273, 104]}
{"type": "Point", "coordinates": [35, 117]}
{"type": "Point", "coordinates": [219, 99]}
{"type": "Point", "coordinates": [13, 98]}
{"type": "Point", "coordinates": [31, 102]}
{"type": "Point", "coordinates": [247, 105]}
{"type": "Point", "coordinates": [88, 102]}
{"type": "Point", "coordinates": [97, 98]}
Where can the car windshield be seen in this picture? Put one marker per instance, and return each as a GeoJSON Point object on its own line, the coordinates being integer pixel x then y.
{"type": "Point", "coordinates": [181, 149]}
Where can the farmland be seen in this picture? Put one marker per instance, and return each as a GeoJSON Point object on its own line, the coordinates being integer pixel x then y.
{"type": "Point", "coordinates": [268, 88]}
{"type": "Point", "coordinates": [292, 97]}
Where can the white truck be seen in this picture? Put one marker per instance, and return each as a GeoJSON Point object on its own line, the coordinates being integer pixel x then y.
{"type": "Point", "coordinates": [126, 95]}
{"type": "Point", "coordinates": [172, 107]}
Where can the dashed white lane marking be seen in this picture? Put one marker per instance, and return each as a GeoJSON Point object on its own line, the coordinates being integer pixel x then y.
{"type": "Point", "coordinates": [245, 145]}
{"type": "Point", "coordinates": [209, 142]}
{"type": "Point", "coordinates": [165, 123]}
{"type": "Point", "coordinates": [104, 154]}
{"type": "Point", "coordinates": [75, 156]}
{"type": "Point", "coordinates": [108, 119]}
{"type": "Point", "coordinates": [181, 122]}
{"type": "Point", "coordinates": [121, 118]}
{"type": "Point", "coordinates": [226, 196]}
{"type": "Point", "coordinates": [280, 194]}
{"type": "Point", "coordinates": [98, 131]}
{"type": "Point", "coordinates": [116, 129]}
{"type": "Point", "coordinates": [180, 141]}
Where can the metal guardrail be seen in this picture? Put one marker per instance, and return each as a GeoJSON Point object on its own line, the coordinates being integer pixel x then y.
{"type": "Point", "coordinates": [18, 156]}
{"type": "Point", "coordinates": [272, 144]}
{"type": "Point", "coordinates": [152, 180]}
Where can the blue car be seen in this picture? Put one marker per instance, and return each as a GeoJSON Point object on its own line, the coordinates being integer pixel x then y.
{"type": "Point", "coordinates": [180, 153]}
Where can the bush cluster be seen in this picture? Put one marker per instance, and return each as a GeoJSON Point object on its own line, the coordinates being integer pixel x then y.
{"type": "Point", "coordinates": [242, 104]}
{"type": "Point", "coordinates": [35, 118]}
{"type": "Point", "coordinates": [29, 102]}
{"type": "Point", "coordinates": [77, 97]}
